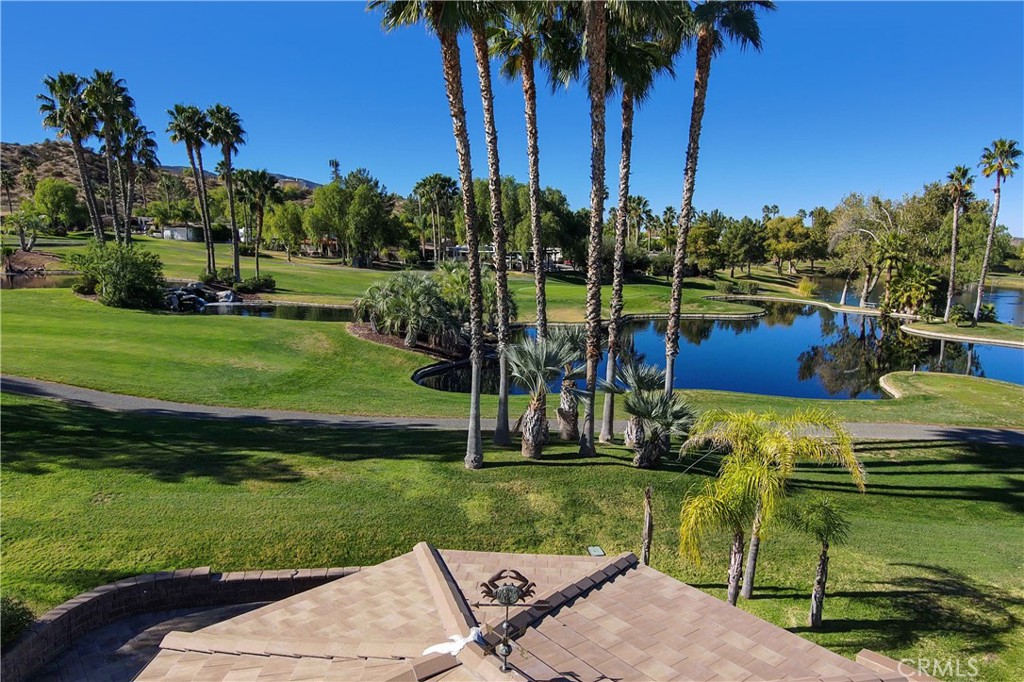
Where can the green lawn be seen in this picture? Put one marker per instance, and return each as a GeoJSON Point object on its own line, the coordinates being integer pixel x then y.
{"type": "Point", "coordinates": [932, 568]}
{"type": "Point", "coordinates": [991, 331]}
{"type": "Point", "coordinates": [320, 367]}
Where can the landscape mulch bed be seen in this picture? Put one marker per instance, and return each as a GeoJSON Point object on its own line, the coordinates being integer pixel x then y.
{"type": "Point", "coordinates": [365, 332]}
{"type": "Point", "coordinates": [34, 260]}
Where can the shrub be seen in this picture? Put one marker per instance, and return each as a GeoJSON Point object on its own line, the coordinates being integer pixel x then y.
{"type": "Point", "coordinates": [207, 278]}
{"type": "Point", "coordinates": [246, 250]}
{"type": "Point", "coordinates": [749, 288]}
{"type": "Point", "coordinates": [661, 264]}
{"type": "Point", "coordinates": [255, 285]}
{"type": "Point", "coordinates": [220, 233]}
{"type": "Point", "coordinates": [725, 286]}
{"type": "Point", "coordinates": [409, 256]}
{"type": "Point", "coordinates": [15, 616]}
{"type": "Point", "coordinates": [959, 315]}
{"type": "Point", "coordinates": [84, 285]}
{"type": "Point", "coordinates": [987, 313]}
{"type": "Point", "coordinates": [225, 275]}
{"type": "Point", "coordinates": [125, 277]}
{"type": "Point", "coordinates": [806, 287]}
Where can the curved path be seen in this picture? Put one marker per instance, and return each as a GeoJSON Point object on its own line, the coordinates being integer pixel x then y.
{"type": "Point", "coordinates": [151, 407]}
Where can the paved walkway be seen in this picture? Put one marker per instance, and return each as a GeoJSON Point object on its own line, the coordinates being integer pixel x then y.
{"type": "Point", "coordinates": [151, 407]}
{"type": "Point", "coordinates": [119, 651]}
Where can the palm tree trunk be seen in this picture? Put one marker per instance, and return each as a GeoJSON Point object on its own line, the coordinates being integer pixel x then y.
{"type": "Point", "coordinates": [535, 427]}
{"type": "Point", "coordinates": [700, 92]}
{"type": "Point", "coordinates": [634, 434]}
{"type": "Point", "coordinates": [231, 213]}
{"type": "Point", "coordinates": [451, 63]}
{"type": "Point", "coordinates": [866, 289]}
{"type": "Point", "coordinates": [952, 261]}
{"type": "Point", "coordinates": [735, 566]}
{"type": "Point", "coordinates": [533, 156]}
{"type": "Point", "coordinates": [87, 190]}
{"type": "Point", "coordinates": [988, 249]}
{"type": "Point", "coordinates": [204, 211]}
{"type": "Point", "coordinates": [568, 412]}
{"type": "Point", "coordinates": [483, 65]}
{"type": "Point", "coordinates": [597, 34]}
{"type": "Point", "coordinates": [818, 594]}
{"type": "Point", "coordinates": [112, 188]}
{"type": "Point", "coordinates": [846, 288]}
{"type": "Point", "coordinates": [755, 546]}
{"type": "Point", "coordinates": [619, 266]}
{"type": "Point", "coordinates": [259, 237]}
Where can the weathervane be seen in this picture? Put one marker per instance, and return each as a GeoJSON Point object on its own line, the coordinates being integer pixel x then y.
{"type": "Point", "coordinates": [512, 594]}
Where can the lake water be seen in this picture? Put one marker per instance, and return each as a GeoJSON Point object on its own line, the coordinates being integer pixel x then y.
{"type": "Point", "coordinates": [795, 350]}
{"type": "Point", "coordinates": [309, 313]}
{"type": "Point", "coordinates": [36, 281]}
{"type": "Point", "coordinates": [1009, 303]}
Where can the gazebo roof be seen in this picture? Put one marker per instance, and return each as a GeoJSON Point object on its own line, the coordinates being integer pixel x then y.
{"type": "Point", "coordinates": [607, 619]}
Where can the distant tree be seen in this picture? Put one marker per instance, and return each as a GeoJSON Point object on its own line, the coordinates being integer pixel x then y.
{"type": "Point", "coordinates": [263, 191]}
{"type": "Point", "coordinates": [225, 131]}
{"type": "Point", "coordinates": [784, 240]}
{"type": "Point", "coordinates": [335, 172]}
{"type": "Point", "coordinates": [704, 238]}
{"type": "Point", "coordinates": [959, 185]}
{"type": "Point", "coordinates": [437, 194]}
{"type": "Point", "coordinates": [111, 104]}
{"type": "Point", "coordinates": [188, 125]}
{"type": "Point", "coordinates": [28, 223]}
{"type": "Point", "coordinates": [284, 224]}
{"type": "Point", "coordinates": [58, 201]}
{"type": "Point", "coordinates": [999, 160]}
{"type": "Point", "coordinates": [743, 242]}
{"type": "Point", "coordinates": [7, 182]}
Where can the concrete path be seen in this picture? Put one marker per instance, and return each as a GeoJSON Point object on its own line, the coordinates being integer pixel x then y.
{"type": "Point", "coordinates": [151, 407]}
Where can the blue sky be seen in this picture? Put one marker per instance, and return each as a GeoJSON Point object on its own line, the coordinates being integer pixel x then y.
{"type": "Point", "coordinates": [871, 97]}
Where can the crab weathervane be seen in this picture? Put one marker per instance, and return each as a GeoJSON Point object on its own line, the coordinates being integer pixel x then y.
{"type": "Point", "coordinates": [512, 593]}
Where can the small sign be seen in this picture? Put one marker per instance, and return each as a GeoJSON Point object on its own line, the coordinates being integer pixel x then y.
{"type": "Point", "coordinates": [595, 550]}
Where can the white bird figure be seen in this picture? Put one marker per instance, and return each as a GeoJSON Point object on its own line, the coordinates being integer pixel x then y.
{"type": "Point", "coordinates": [456, 644]}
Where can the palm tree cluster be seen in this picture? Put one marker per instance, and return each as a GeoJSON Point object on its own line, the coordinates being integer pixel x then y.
{"type": "Point", "coordinates": [221, 127]}
{"type": "Point", "coordinates": [624, 46]}
{"type": "Point", "coordinates": [761, 453]}
{"type": "Point", "coordinates": [100, 107]}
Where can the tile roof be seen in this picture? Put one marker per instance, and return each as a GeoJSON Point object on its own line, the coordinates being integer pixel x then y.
{"type": "Point", "coordinates": [608, 618]}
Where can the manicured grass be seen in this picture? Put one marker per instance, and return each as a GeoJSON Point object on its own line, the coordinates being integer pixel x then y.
{"type": "Point", "coordinates": [983, 331]}
{"type": "Point", "coordinates": [1009, 280]}
{"type": "Point", "coordinates": [320, 367]}
{"type": "Point", "coordinates": [932, 568]}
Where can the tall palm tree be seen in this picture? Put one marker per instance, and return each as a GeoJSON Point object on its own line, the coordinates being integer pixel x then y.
{"type": "Point", "coordinates": [823, 520]}
{"type": "Point", "coordinates": [264, 190]}
{"type": "Point", "coordinates": [445, 20]}
{"type": "Point", "coordinates": [138, 153]}
{"type": "Point", "coordinates": [64, 109]}
{"type": "Point", "coordinates": [517, 41]}
{"type": "Point", "coordinates": [596, 38]}
{"type": "Point", "coordinates": [225, 131]}
{"type": "Point", "coordinates": [636, 57]}
{"type": "Point", "coordinates": [959, 188]}
{"type": "Point", "coordinates": [112, 105]}
{"type": "Point", "coordinates": [714, 24]}
{"type": "Point", "coordinates": [715, 508]}
{"type": "Point", "coordinates": [188, 125]}
{"type": "Point", "coordinates": [999, 160]}
{"type": "Point", "coordinates": [764, 449]}
{"type": "Point", "coordinates": [533, 365]}
{"type": "Point", "coordinates": [481, 14]}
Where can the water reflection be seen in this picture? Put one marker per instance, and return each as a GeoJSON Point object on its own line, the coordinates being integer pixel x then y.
{"type": "Point", "coordinates": [794, 350]}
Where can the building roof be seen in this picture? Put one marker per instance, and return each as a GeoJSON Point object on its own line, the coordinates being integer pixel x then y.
{"type": "Point", "coordinates": [606, 619]}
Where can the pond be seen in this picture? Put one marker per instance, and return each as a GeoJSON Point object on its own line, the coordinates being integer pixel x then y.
{"type": "Point", "coordinates": [801, 351]}
{"type": "Point", "coordinates": [311, 313]}
{"type": "Point", "coordinates": [36, 281]}
{"type": "Point", "coordinates": [1009, 302]}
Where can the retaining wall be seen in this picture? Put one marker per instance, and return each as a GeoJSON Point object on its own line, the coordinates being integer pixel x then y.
{"type": "Point", "coordinates": [57, 629]}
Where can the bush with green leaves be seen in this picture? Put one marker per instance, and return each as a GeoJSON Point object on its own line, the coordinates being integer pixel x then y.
{"type": "Point", "coordinates": [987, 313]}
{"type": "Point", "coordinates": [15, 617]}
{"type": "Point", "coordinates": [410, 304]}
{"type": "Point", "coordinates": [255, 285]}
{"type": "Point", "coordinates": [246, 250]}
{"type": "Point", "coordinates": [960, 315]}
{"type": "Point", "coordinates": [661, 264]}
{"type": "Point", "coordinates": [207, 278]}
{"type": "Point", "coordinates": [125, 277]}
{"type": "Point", "coordinates": [225, 275]}
{"type": "Point", "coordinates": [724, 286]}
{"type": "Point", "coordinates": [807, 287]}
{"type": "Point", "coordinates": [748, 288]}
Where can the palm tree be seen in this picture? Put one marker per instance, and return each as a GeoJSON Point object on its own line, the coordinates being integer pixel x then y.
{"type": "Point", "coordinates": [7, 182]}
{"type": "Point", "coordinates": [661, 416]}
{"type": "Point", "coordinates": [225, 131]}
{"type": "Point", "coordinates": [138, 154]}
{"type": "Point", "coordinates": [108, 97]}
{"type": "Point", "coordinates": [517, 40]}
{"type": "Point", "coordinates": [892, 253]}
{"type": "Point", "coordinates": [445, 20]}
{"type": "Point", "coordinates": [480, 15]}
{"type": "Point", "coordinates": [535, 363]}
{"type": "Point", "coordinates": [823, 520]}
{"type": "Point", "coordinates": [188, 125]}
{"type": "Point", "coordinates": [959, 188]}
{"type": "Point", "coordinates": [764, 449]}
{"type": "Point", "coordinates": [715, 508]}
{"type": "Point", "coordinates": [596, 38]}
{"type": "Point", "coordinates": [635, 58]}
{"type": "Point", "coordinates": [999, 160]}
{"type": "Point", "coordinates": [714, 23]}
{"type": "Point", "coordinates": [574, 339]}
{"type": "Point", "coordinates": [264, 190]}
{"type": "Point", "coordinates": [335, 169]}
{"type": "Point", "coordinates": [632, 375]}
{"type": "Point", "coordinates": [65, 110]}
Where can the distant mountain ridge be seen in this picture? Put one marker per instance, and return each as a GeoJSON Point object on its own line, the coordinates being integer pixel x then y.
{"type": "Point", "coordinates": [284, 179]}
